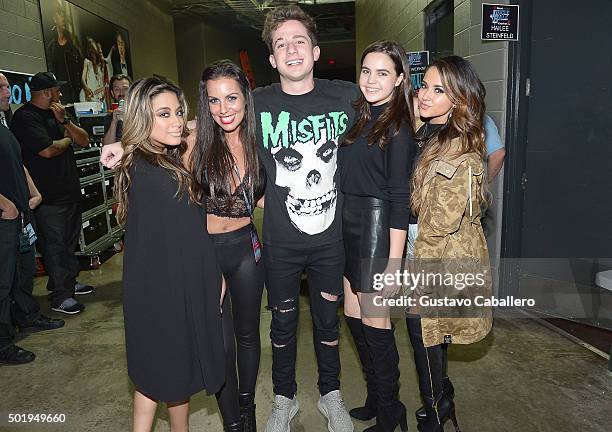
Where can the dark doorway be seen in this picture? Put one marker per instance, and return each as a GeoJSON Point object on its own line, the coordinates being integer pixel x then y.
{"type": "Point", "coordinates": [558, 180]}
{"type": "Point", "coordinates": [440, 29]}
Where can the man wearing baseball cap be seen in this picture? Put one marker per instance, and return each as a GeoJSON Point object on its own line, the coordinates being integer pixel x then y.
{"type": "Point", "coordinates": [47, 137]}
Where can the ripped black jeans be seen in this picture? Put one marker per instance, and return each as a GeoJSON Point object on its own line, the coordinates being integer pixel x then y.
{"type": "Point", "coordinates": [324, 267]}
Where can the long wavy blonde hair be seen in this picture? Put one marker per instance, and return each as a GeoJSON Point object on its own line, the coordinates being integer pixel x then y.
{"type": "Point", "coordinates": [137, 127]}
{"type": "Point", "coordinates": [467, 93]}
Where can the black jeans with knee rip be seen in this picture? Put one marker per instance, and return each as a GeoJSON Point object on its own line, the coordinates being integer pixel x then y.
{"type": "Point", "coordinates": [324, 266]}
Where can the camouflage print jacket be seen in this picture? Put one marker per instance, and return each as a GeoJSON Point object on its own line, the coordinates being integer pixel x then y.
{"type": "Point", "coordinates": [450, 233]}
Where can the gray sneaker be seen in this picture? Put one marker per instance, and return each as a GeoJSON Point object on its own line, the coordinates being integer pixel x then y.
{"type": "Point", "coordinates": [283, 410]}
{"type": "Point", "coordinates": [332, 407]}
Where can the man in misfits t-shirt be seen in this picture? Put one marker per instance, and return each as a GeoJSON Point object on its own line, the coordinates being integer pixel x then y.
{"type": "Point", "coordinates": [298, 137]}
{"type": "Point", "coordinates": [301, 122]}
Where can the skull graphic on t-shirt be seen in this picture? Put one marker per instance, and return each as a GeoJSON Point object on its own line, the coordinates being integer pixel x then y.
{"type": "Point", "coordinates": [307, 170]}
{"type": "Point", "coordinates": [305, 153]}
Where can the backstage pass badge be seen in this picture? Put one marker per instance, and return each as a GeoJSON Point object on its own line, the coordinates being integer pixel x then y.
{"type": "Point", "coordinates": [27, 238]}
{"type": "Point", "coordinates": [256, 245]}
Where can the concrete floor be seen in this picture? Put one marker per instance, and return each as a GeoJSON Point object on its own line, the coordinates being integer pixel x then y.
{"type": "Point", "coordinates": [522, 377]}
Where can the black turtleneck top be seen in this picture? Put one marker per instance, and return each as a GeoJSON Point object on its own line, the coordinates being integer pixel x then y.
{"type": "Point", "coordinates": [383, 174]}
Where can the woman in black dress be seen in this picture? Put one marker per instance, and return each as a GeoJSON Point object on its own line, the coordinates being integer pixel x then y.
{"type": "Point", "coordinates": [171, 283]}
{"type": "Point", "coordinates": [376, 163]}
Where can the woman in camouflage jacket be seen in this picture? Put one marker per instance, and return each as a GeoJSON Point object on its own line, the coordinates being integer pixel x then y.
{"type": "Point", "coordinates": [447, 196]}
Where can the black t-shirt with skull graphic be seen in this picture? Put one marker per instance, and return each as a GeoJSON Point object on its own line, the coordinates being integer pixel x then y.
{"type": "Point", "coordinates": [298, 139]}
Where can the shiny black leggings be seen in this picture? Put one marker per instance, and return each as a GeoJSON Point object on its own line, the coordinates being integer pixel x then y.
{"type": "Point", "coordinates": [244, 280]}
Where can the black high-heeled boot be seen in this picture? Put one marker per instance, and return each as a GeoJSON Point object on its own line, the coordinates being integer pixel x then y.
{"type": "Point", "coordinates": [247, 411]}
{"type": "Point", "coordinates": [234, 427]}
{"type": "Point", "coordinates": [447, 386]}
{"type": "Point", "coordinates": [438, 413]}
{"type": "Point", "coordinates": [390, 412]}
{"type": "Point", "coordinates": [429, 362]}
{"type": "Point", "coordinates": [368, 411]}
{"type": "Point", "coordinates": [449, 392]}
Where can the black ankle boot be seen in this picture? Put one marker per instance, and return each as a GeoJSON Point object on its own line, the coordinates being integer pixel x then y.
{"type": "Point", "coordinates": [429, 361]}
{"type": "Point", "coordinates": [247, 411]}
{"type": "Point", "coordinates": [390, 412]}
{"type": "Point", "coordinates": [368, 411]}
{"type": "Point", "coordinates": [234, 427]}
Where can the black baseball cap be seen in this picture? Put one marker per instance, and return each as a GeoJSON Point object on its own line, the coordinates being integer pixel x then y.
{"type": "Point", "coordinates": [45, 80]}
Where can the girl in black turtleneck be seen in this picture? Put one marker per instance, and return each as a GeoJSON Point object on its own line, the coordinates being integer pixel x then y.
{"type": "Point", "coordinates": [376, 165]}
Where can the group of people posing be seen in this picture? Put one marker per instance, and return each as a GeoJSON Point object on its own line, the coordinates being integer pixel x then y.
{"type": "Point", "coordinates": [346, 173]}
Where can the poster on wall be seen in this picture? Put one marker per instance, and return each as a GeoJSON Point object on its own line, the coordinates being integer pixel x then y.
{"type": "Point", "coordinates": [418, 61]}
{"type": "Point", "coordinates": [84, 50]}
{"type": "Point", "coordinates": [499, 22]}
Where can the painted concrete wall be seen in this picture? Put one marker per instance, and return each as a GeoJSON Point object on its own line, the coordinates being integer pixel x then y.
{"type": "Point", "coordinates": [403, 21]}
{"type": "Point", "coordinates": [199, 43]}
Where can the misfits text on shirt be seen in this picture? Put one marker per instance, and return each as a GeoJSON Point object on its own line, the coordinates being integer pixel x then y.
{"type": "Point", "coordinates": [305, 152]}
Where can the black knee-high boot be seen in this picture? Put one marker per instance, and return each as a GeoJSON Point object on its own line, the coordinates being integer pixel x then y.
{"type": "Point", "coordinates": [247, 411]}
{"type": "Point", "coordinates": [429, 362]}
{"type": "Point", "coordinates": [447, 386]}
{"type": "Point", "coordinates": [368, 411]}
{"type": "Point", "coordinates": [390, 412]}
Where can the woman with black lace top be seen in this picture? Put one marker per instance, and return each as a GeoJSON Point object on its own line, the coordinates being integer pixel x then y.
{"type": "Point", "coordinates": [224, 160]}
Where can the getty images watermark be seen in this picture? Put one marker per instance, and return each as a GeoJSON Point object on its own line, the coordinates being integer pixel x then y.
{"type": "Point", "coordinates": [422, 282]}
{"type": "Point", "coordinates": [453, 288]}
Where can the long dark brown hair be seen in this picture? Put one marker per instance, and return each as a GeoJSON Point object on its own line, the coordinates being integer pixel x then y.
{"type": "Point", "coordinates": [137, 126]}
{"type": "Point", "coordinates": [467, 93]}
{"type": "Point", "coordinates": [212, 162]}
{"type": "Point", "coordinates": [398, 111]}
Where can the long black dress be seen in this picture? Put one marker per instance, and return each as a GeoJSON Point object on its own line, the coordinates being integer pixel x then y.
{"type": "Point", "coordinates": [171, 290]}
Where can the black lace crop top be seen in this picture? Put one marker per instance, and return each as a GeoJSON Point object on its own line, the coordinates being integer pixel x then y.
{"type": "Point", "coordinates": [234, 206]}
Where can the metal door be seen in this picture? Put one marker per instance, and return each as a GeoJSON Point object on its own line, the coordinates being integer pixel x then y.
{"type": "Point", "coordinates": [558, 194]}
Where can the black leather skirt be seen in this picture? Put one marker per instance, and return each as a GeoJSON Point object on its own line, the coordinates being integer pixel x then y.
{"type": "Point", "coordinates": [365, 226]}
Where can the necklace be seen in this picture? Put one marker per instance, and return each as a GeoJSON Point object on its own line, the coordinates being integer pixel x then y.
{"type": "Point", "coordinates": [424, 136]}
